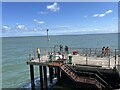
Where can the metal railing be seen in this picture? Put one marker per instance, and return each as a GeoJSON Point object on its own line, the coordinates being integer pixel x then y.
{"type": "Point", "coordinates": [99, 82]}
{"type": "Point", "coordinates": [86, 52]}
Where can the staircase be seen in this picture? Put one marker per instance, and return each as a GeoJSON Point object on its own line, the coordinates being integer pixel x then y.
{"type": "Point", "coordinates": [72, 74]}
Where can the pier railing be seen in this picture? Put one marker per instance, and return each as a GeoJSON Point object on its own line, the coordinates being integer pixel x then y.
{"type": "Point", "coordinates": [85, 52]}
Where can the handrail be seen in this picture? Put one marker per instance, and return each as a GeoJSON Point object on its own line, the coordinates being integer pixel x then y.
{"type": "Point", "coordinates": [97, 78]}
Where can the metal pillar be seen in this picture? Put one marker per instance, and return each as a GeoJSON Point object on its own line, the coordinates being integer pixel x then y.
{"type": "Point", "coordinates": [32, 77]}
{"type": "Point", "coordinates": [58, 73]}
{"type": "Point", "coordinates": [115, 58]}
{"type": "Point", "coordinates": [45, 77]}
{"type": "Point", "coordinates": [55, 72]}
{"type": "Point", "coordinates": [51, 74]}
{"type": "Point", "coordinates": [41, 77]}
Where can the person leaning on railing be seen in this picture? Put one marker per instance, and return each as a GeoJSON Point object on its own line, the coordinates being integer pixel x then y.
{"type": "Point", "coordinates": [107, 51]}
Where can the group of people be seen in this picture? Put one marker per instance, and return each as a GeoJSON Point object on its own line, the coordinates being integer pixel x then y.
{"type": "Point", "coordinates": [105, 51]}
{"type": "Point", "coordinates": [66, 49]}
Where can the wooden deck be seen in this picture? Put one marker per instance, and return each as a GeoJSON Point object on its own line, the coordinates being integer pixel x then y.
{"type": "Point", "coordinates": [62, 63]}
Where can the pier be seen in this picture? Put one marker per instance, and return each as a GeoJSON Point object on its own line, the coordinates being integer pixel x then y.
{"type": "Point", "coordinates": [86, 68]}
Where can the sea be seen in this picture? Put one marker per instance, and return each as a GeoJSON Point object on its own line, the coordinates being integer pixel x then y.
{"type": "Point", "coordinates": [16, 51]}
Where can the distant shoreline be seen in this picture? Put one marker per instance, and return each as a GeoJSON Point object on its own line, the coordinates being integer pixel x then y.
{"type": "Point", "coordinates": [60, 35]}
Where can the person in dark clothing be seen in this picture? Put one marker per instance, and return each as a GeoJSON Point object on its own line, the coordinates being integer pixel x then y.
{"type": "Point", "coordinates": [61, 48]}
{"type": "Point", "coordinates": [66, 49]}
{"type": "Point", "coordinates": [103, 52]}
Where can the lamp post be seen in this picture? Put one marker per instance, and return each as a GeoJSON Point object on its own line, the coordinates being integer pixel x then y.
{"type": "Point", "coordinates": [47, 40]}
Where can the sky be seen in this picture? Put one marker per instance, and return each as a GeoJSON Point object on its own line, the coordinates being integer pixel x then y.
{"type": "Point", "coordinates": [61, 18]}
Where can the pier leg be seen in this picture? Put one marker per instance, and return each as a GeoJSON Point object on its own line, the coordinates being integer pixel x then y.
{"type": "Point", "coordinates": [32, 77]}
{"type": "Point", "coordinates": [51, 74]}
{"type": "Point", "coordinates": [58, 73]}
{"type": "Point", "coordinates": [55, 72]}
{"type": "Point", "coordinates": [41, 77]}
{"type": "Point", "coordinates": [45, 77]}
{"type": "Point", "coordinates": [62, 75]}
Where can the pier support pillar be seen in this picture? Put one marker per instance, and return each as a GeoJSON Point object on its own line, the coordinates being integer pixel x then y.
{"type": "Point", "coordinates": [62, 75]}
{"type": "Point", "coordinates": [41, 77]}
{"type": "Point", "coordinates": [45, 77]}
{"type": "Point", "coordinates": [55, 72]}
{"type": "Point", "coordinates": [58, 73]}
{"type": "Point", "coordinates": [51, 74]}
{"type": "Point", "coordinates": [32, 77]}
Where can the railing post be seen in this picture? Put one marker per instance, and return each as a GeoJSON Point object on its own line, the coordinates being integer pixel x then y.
{"type": "Point", "coordinates": [109, 61]}
{"type": "Point", "coordinates": [29, 56]}
{"type": "Point", "coordinates": [34, 54]}
{"type": "Point", "coordinates": [90, 52]}
{"type": "Point", "coordinates": [115, 58]}
{"type": "Point", "coordinates": [86, 57]}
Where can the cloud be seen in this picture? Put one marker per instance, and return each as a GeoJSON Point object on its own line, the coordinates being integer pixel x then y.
{"type": "Point", "coordinates": [54, 7]}
{"type": "Point", "coordinates": [42, 12]}
{"type": "Point", "coordinates": [96, 29]}
{"type": "Point", "coordinates": [102, 14]}
{"type": "Point", "coordinates": [37, 21]}
{"type": "Point", "coordinates": [95, 15]}
{"type": "Point", "coordinates": [40, 22]}
{"type": "Point", "coordinates": [109, 11]}
{"type": "Point", "coordinates": [83, 30]}
{"type": "Point", "coordinates": [21, 27]}
{"type": "Point", "coordinates": [5, 28]}
{"type": "Point", "coordinates": [85, 16]}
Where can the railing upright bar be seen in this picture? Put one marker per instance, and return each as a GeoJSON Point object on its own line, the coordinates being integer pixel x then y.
{"type": "Point", "coordinates": [115, 58]}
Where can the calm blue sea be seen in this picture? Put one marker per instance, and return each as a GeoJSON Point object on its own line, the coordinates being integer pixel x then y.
{"type": "Point", "coordinates": [16, 50]}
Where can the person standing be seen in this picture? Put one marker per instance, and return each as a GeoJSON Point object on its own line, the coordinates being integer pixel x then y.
{"type": "Point", "coordinates": [61, 49]}
{"type": "Point", "coordinates": [66, 49]}
{"type": "Point", "coordinates": [103, 52]}
{"type": "Point", "coordinates": [107, 51]}
{"type": "Point", "coordinates": [38, 53]}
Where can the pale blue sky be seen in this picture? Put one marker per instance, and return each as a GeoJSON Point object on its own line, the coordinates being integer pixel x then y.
{"type": "Point", "coordinates": [61, 18]}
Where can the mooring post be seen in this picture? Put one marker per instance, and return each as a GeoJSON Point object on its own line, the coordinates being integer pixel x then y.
{"type": "Point", "coordinates": [51, 74]}
{"type": "Point", "coordinates": [32, 77]}
{"type": "Point", "coordinates": [58, 73]}
{"type": "Point", "coordinates": [45, 77]}
{"type": "Point", "coordinates": [41, 77]}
